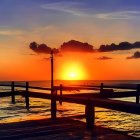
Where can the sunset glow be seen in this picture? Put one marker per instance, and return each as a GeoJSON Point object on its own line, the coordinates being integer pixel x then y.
{"type": "Point", "coordinates": [111, 29]}
{"type": "Point", "coordinates": [73, 71]}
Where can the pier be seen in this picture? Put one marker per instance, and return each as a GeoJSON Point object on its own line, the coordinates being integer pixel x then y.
{"type": "Point", "coordinates": [90, 100]}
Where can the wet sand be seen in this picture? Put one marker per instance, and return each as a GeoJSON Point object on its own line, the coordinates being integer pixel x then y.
{"type": "Point", "coordinates": [59, 129]}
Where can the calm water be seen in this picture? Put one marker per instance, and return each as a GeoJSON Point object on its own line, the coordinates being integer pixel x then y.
{"type": "Point", "coordinates": [40, 108]}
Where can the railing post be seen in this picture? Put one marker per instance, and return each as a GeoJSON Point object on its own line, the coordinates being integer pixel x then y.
{"type": "Point", "coordinates": [27, 96]}
{"type": "Point", "coordinates": [101, 88]}
{"type": "Point", "coordinates": [138, 94]}
{"type": "Point", "coordinates": [53, 104]}
{"type": "Point", "coordinates": [61, 88]}
{"type": "Point", "coordinates": [13, 92]}
{"type": "Point", "coordinates": [90, 115]}
{"type": "Point", "coordinates": [53, 100]}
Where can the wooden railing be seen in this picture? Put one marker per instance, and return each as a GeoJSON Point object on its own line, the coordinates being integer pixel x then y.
{"type": "Point", "coordinates": [94, 100]}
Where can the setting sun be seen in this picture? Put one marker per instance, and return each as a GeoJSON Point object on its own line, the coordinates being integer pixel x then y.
{"type": "Point", "coordinates": [73, 71]}
{"type": "Point", "coordinates": [72, 74]}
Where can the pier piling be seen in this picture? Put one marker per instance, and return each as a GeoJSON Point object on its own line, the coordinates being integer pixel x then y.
{"type": "Point", "coordinates": [90, 115]}
{"type": "Point", "coordinates": [27, 96]}
{"type": "Point", "coordinates": [138, 94]}
{"type": "Point", "coordinates": [101, 88]}
{"type": "Point", "coordinates": [13, 92]}
{"type": "Point", "coordinates": [53, 104]}
{"type": "Point", "coordinates": [61, 88]}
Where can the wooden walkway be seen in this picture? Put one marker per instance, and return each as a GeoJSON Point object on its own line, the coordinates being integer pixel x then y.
{"type": "Point", "coordinates": [101, 99]}
{"type": "Point", "coordinates": [58, 129]}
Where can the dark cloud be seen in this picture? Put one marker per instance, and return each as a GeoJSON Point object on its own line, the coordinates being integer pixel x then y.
{"type": "Point", "coordinates": [32, 54]}
{"type": "Point", "coordinates": [136, 44]}
{"type": "Point", "coordinates": [104, 58]}
{"type": "Point", "coordinates": [134, 56]}
{"type": "Point", "coordinates": [42, 48]}
{"type": "Point", "coordinates": [46, 59]}
{"type": "Point", "coordinates": [76, 46]}
{"type": "Point", "coordinates": [121, 46]}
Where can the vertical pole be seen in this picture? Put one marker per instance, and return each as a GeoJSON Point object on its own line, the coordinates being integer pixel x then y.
{"type": "Point", "coordinates": [90, 115]}
{"type": "Point", "coordinates": [61, 88]}
{"type": "Point", "coordinates": [101, 88]}
{"type": "Point", "coordinates": [53, 101]}
{"type": "Point", "coordinates": [138, 94]}
{"type": "Point", "coordinates": [52, 72]}
{"type": "Point", "coordinates": [27, 96]}
{"type": "Point", "coordinates": [13, 92]}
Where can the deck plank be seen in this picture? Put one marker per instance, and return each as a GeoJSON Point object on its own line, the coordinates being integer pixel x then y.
{"type": "Point", "coordinates": [59, 129]}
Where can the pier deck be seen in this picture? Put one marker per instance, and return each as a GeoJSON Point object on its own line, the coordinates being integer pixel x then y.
{"type": "Point", "coordinates": [65, 128]}
{"type": "Point", "coordinates": [59, 129]}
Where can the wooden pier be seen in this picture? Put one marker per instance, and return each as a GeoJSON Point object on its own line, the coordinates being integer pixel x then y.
{"type": "Point", "coordinates": [89, 100]}
{"type": "Point", "coordinates": [58, 129]}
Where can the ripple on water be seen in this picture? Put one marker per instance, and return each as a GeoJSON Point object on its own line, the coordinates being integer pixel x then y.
{"type": "Point", "coordinates": [40, 108]}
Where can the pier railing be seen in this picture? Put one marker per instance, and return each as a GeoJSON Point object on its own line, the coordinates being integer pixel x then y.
{"type": "Point", "coordinates": [104, 91]}
{"type": "Point", "coordinates": [99, 99]}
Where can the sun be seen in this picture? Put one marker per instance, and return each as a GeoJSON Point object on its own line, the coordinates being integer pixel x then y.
{"type": "Point", "coordinates": [72, 71]}
{"type": "Point", "coordinates": [72, 74]}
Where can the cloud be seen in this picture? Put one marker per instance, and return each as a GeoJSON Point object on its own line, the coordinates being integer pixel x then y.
{"type": "Point", "coordinates": [76, 46]}
{"type": "Point", "coordinates": [119, 15]}
{"type": "Point", "coordinates": [32, 54]}
{"type": "Point", "coordinates": [134, 56]}
{"type": "Point", "coordinates": [63, 6]}
{"type": "Point", "coordinates": [11, 32]}
{"type": "Point", "coordinates": [46, 59]}
{"type": "Point", "coordinates": [84, 10]}
{"type": "Point", "coordinates": [120, 46]}
{"type": "Point", "coordinates": [42, 48]}
{"type": "Point", "coordinates": [104, 58]}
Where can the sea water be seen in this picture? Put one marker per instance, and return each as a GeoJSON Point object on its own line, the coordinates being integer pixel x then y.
{"type": "Point", "coordinates": [40, 108]}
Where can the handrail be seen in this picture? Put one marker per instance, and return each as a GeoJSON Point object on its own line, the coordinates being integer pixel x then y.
{"type": "Point", "coordinates": [108, 86]}
{"type": "Point", "coordinates": [79, 87]}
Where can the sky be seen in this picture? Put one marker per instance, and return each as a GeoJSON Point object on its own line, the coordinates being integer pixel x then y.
{"type": "Point", "coordinates": [56, 21]}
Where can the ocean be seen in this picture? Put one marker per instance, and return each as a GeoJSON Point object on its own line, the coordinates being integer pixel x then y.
{"type": "Point", "coordinates": [40, 108]}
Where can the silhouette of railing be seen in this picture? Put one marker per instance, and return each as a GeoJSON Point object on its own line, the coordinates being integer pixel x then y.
{"type": "Point", "coordinates": [88, 99]}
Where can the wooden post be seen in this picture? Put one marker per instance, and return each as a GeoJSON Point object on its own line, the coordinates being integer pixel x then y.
{"type": "Point", "coordinates": [61, 88]}
{"type": "Point", "coordinates": [52, 71]}
{"type": "Point", "coordinates": [138, 94]}
{"type": "Point", "coordinates": [101, 88]}
{"type": "Point", "coordinates": [90, 115]}
{"type": "Point", "coordinates": [53, 101]}
{"type": "Point", "coordinates": [27, 96]}
{"type": "Point", "coordinates": [53, 105]}
{"type": "Point", "coordinates": [13, 92]}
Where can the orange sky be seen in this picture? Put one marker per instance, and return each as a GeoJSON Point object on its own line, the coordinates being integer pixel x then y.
{"type": "Point", "coordinates": [84, 66]}
{"type": "Point", "coordinates": [53, 22]}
